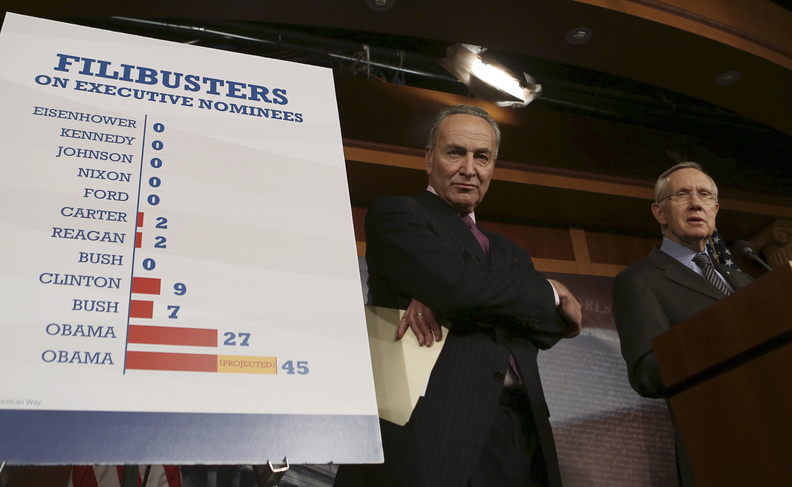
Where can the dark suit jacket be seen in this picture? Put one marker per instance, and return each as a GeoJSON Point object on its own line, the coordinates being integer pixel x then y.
{"type": "Point", "coordinates": [649, 298]}
{"type": "Point", "coordinates": [420, 247]}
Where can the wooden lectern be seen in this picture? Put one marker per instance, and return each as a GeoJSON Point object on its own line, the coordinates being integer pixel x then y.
{"type": "Point", "coordinates": [732, 365]}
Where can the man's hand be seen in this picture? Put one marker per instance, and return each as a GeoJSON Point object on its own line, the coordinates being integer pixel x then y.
{"type": "Point", "coordinates": [421, 320]}
{"type": "Point", "coordinates": [569, 309]}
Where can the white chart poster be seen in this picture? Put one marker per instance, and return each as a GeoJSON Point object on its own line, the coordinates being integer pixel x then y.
{"type": "Point", "coordinates": [178, 276]}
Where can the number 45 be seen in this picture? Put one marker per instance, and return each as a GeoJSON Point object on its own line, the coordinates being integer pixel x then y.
{"type": "Point", "coordinates": [302, 367]}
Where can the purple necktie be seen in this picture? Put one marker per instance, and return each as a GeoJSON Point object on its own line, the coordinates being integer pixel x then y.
{"type": "Point", "coordinates": [482, 239]}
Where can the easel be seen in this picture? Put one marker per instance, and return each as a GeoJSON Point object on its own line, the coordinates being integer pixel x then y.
{"type": "Point", "coordinates": [268, 475]}
{"type": "Point", "coordinates": [131, 475]}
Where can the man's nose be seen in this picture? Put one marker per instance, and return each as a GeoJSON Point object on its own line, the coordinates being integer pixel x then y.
{"type": "Point", "coordinates": [468, 165]}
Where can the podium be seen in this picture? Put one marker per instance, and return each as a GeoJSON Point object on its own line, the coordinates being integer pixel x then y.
{"type": "Point", "coordinates": [731, 368]}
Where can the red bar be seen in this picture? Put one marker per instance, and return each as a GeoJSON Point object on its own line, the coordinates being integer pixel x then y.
{"type": "Point", "coordinates": [140, 219]}
{"type": "Point", "coordinates": [138, 240]}
{"type": "Point", "coordinates": [146, 285]}
{"type": "Point", "coordinates": [141, 309]}
{"type": "Point", "coordinates": [187, 362]}
{"type": "Point", "coordinates": [168, 335]}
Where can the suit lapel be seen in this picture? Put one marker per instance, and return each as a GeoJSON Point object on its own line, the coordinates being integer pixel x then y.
{"type": "Point", "coordinates": [729, 274]}
{"type": "Point", "coordinates": [673, 270]}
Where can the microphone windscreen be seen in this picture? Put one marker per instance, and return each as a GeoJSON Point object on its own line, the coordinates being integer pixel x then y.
{"type": "Point", "coordinates": [744, 248]}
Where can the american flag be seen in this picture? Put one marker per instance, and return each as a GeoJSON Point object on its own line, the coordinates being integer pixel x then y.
{"type": "Point", "coordinates": [717, 249]}
{"type": "Point", "coordinates": [113, 476]}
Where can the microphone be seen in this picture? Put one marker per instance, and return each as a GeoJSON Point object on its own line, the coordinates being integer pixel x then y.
{"type": "Point", "coordinates": [745, 249]}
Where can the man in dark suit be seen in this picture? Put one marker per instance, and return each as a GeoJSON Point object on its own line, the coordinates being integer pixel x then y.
{"type": "Point", "coordinates": [670, 286]}
{"type": "Point", "coordinates": [483, 420]}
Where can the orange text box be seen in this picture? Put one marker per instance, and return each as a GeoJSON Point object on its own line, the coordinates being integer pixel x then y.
{"type": "Point", "coordinates": [247, 365]}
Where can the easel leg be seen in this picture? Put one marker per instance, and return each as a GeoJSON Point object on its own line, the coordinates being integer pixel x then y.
{"type": "Point", "coordinates": [269, 476]}
{"type": "Point", "coordinates": [130, 476]}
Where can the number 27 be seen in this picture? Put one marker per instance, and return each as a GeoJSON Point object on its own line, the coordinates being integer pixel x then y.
{"type": "Point", "coordinates": [231, 339]}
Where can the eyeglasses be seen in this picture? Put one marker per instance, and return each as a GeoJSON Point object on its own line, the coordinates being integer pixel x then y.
{"type": "Point", "coordinates": [705, 197]}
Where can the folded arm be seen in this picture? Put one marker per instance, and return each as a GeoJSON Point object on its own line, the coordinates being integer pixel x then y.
{"type": "Point", "coordinates": [422, 259]}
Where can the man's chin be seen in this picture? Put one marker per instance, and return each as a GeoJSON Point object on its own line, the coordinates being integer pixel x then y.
{"type": "Point", "coordinates": [464, 205]}
{"type": "Point", "coordinates": [695, 242]}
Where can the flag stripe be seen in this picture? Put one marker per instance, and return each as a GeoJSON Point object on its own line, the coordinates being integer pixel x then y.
{"type": "Point", "coordinates": [113, 476]}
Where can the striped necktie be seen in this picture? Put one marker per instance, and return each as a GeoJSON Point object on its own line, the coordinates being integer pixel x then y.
{"type": "Point", "coordinates": [703, 262]}
{"type": "Point", "coordinates": [480, 237]}
{"type": "Point", "coordinates": [513, 376]}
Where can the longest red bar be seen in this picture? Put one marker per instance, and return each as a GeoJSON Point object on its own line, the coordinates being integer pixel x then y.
{"type": "Point", "coordinates": [171, 335]}
{"type": "Point", "coordinates": [185, 362]}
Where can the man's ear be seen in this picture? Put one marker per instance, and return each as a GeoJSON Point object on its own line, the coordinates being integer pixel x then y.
{"type": "Point", "coordinates": [657, 211]}
{"type": "Point", "coordinates": [428, 159]}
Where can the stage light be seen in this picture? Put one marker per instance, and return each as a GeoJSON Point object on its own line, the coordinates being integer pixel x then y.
{"type": "Point", "coordinates": [487, 78]}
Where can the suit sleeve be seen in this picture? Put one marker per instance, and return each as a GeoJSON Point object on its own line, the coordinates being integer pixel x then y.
{"type": "Point", "coordinates": [425, 259]}
{"type": "Point", "coordinates": [639, 318]}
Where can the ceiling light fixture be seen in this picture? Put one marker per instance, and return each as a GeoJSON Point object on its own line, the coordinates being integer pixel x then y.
{"type": "Point", "coordinates": [728, 78]}
{"type": "Point", "coordinates": [380, 4]}
{"type": "Point", "coordinates": [579, 35]}
{"type": "Point", "coordinates": [487, 78]}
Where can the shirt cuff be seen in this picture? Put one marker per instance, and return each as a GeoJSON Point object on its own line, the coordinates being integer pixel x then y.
{"type": "Point", "coordinates": [555, 294]}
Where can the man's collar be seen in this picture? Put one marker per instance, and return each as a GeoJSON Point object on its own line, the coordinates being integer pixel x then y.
{"type": "Point", "coordinates": [433, 191]}
{"type": "Point", "coordinates": [677, 251]}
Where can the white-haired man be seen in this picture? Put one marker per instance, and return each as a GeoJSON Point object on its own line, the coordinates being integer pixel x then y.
{"type": "Point", "coordinates": [671, 284]}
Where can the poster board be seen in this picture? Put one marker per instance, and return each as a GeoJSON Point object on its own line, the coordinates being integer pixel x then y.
{"type": "Point", "coordinates": [179, 276]}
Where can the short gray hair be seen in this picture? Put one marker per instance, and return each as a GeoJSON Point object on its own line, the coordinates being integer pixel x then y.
{"type": "Point", "coordinates": [463, 110]}
{"type": "Point", "coordinates": [662, 181]}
